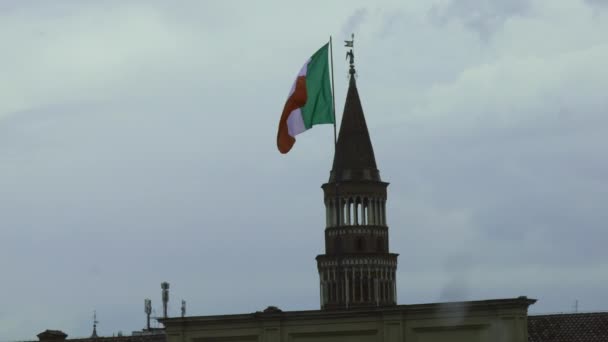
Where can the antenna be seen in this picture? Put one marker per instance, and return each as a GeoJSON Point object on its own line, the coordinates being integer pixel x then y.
{"type": "Point", "coordinates": [165, 296]}
{"type": "Point", "coordinates": [576, 306]}
{"type": "Point", "coordinates": [183, 308]}
{"type": "Point", "coordinates": [148, 311]}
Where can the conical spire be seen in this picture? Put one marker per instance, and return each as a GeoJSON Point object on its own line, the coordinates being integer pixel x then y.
{"type": "Point", "coordinates": [354, 159]}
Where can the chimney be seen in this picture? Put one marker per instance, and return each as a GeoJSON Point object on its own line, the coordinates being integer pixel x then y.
{"type": "Point", "coordinates": [52, 336]}
{"type": "Point", "coordinates": [165, 293]}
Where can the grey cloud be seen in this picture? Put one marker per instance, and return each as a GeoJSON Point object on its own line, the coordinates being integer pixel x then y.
{"type": "Point", "coordinates": [498, 185]}
{"type": "Point", "coordinates": [354, 22]}
{"type": "Point", "coordinates": [597, 2]}
{"type": "Point", "coordinates": [458, 285]}
{"type": "Point", "coordinates": [483, 17]}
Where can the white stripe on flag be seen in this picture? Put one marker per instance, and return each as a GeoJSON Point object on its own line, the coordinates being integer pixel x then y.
{"type": "Point", "coordinates": [301, 73]}
{"type": "Point", "coordinates": [295, 122]}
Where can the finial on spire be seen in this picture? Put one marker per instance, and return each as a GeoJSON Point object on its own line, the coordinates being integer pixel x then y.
{"type": "Point", "coordinates": [95, 321]}
{"type": "Point", "coordinates": [350, 54]}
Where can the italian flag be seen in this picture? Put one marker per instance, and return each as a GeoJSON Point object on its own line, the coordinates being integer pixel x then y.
{"type": "Point", "coordinates": [309, 102]}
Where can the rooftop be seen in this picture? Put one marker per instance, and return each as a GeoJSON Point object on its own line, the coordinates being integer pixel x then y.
{"type": "Point", "coordinates": [568, 327]}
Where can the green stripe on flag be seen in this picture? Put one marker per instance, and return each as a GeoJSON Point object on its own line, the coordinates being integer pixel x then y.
{"type": "Point", "coordinates": [317, 109]}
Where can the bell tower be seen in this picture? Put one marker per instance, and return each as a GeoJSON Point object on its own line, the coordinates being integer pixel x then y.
{"type": "Point", "coordinates": [357, 268]}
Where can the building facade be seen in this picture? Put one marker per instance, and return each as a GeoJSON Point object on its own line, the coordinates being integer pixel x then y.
{"type": "Point", "coordinates": [474, 321]}
{"type": "Point", "coordinates": [459, 323]}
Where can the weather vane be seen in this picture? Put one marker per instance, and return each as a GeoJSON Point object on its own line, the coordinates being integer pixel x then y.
{"type": "Point", "coordinates": [350, 55]}
{"type": "Point", "coordinates": [95, 321]}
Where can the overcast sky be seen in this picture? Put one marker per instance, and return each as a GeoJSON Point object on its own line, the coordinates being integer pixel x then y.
{"type": "Point", "coordinates": [138, 145]}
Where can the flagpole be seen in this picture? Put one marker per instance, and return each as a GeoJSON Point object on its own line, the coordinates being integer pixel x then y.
{"type": "Point", "coordinates": [333, 96]}
{"type": "Point", "coordinates": [333, 99]}
{"type": "Point", "coordinates": [336, 176]}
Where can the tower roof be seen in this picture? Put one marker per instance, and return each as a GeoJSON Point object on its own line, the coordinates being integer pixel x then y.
{"type": "Point", "coordinates": [354, 159]}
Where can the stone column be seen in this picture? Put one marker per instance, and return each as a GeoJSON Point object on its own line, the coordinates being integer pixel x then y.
{"type": "Point", "coordinates": [330, 207]}
{"type": "Point", "coordinates": [326, 214]}
{"type": "Point", "coordinates": [384, 284]}
{"type": "Point", "coordinates": [377, 289]}
{"type": "Point", "coordinates": [383, 206]}
{"type": "Point", "coordinates": [348, 208]}
{"type": "Point", "coordinates": [356, 211]}
{"type": "Point", "coordinates": [371, 206]}
{"type": "Point", "coordinates": [388, 285]}
{"type": "Point", "coordinates": [328, 287]}
{"type": "Point", "coordinates": [361, 283]}
{"type": "Point", "coordinates": [337, 208]}
{"type": "Point", "coordinates": [394, 287]}
{"type": "Point", "coordinates": [372, 211]}
{"type": "Point", "coordinates": [336, 286]}
{"type": "Point", "coordinates": [379, 211]}
{"type": "Point", "coordinates": [355, 283]}
{"type": "Point", "coordinates": [346, 287]}
{"type": "Point", "coordinates": [381, 280]}
{"type": "Point", "coordinates": [342, 209]}
{"type": "Point", "coordinates": [363, 212]}
{"type": "Point", "coordinates": [369, 284]}
{"type": "Point", "coordinates": [321, 288]}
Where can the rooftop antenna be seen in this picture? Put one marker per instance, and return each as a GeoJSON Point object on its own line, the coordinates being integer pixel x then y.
{"type": "Point", "coordinates": [576, 306]}
{"type": "Point", "coordinates": [183, 308]}
{"type": "Point", "coordinates": [148, 311]}
{"type": "Point", "coordinates": [95, 321]}
{"type": "Point", "coordinates": [165, 294]}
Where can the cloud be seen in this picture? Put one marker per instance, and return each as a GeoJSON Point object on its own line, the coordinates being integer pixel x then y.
{"type": "Point", "coordinates": [51, 64]}
{"type": "Point", "coordinates": [457, 287]}
{"type": "Point", "coordinates": [483, 17]}
{"type": "Point", "coordinates": [354, 22]}
{"type": "Point", "coordinates": [136, 136]}
{"type": "Point", "coordinates": [597, 2]}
